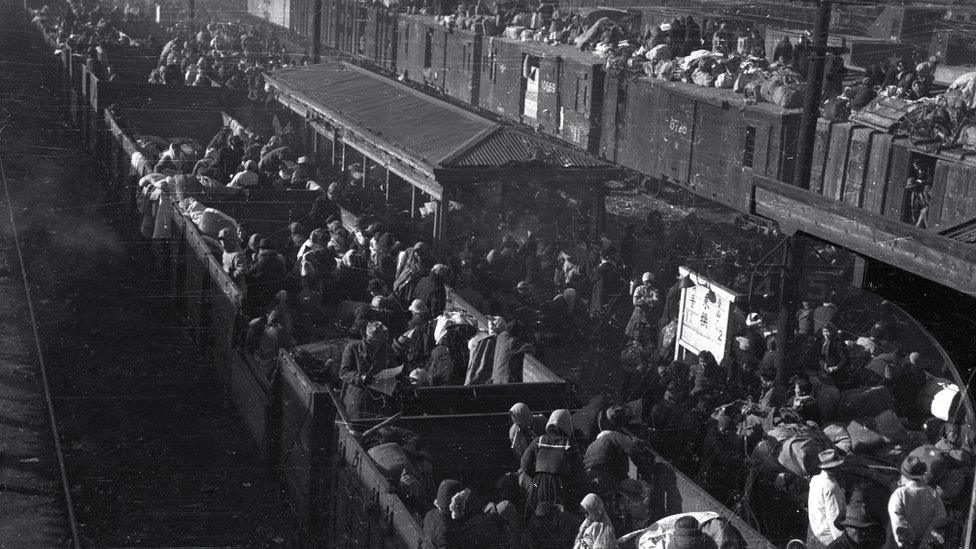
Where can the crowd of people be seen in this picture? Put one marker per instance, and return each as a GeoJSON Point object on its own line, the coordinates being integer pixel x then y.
{"type": "Point", "coordinates": [116, 40]}
{"type": "Point", "coordinates": [811, 410]}
{"type": "Point", "coordinates": [386, 294]}
{"type": "Point", "coordinates": [709, 53]}
{"type": "Point", "coordinates": [232, 55]}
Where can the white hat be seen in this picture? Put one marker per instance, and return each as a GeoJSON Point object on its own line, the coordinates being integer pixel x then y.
{"type": "Point", "coordinates": [753, 319]}
{"type": "Point", "coordinates": [665, 26]}
{"type": "Point", "coordinates": [418, 307]}
{"type": "Point", "coordinates": [647, 277]}
{"type": "Point", "coordinates": [313, 186]}
{"type": "Point", "coordinates": [304, 160]}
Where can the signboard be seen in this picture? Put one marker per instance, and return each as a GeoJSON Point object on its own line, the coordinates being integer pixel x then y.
{"type": "Point", "coordinates": [705, 317]}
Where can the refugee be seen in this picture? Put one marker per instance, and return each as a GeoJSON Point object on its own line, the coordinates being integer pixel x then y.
{"type": "Point", "coordinates": [442, 523]}
{"type": "Point", "coordinates": [607, 459]}
{"type": "Point", "coordinates": [265, 276]}
{"type": "Point", "coordinates": [247, 178]}
{"type": "Point", "coordinates": [915, 508]}
{"type": "Point", "coordinates": [553, 464]}
{"type": "Point", "coordinates": [826, 500]}
{"type": "Point", "coordinates": [596, 532]}
{"type": "Point", "coordinates": [522, 432]}
{"type": "Point", "coordinates": [857, 526]}
{"type": "Point", "coordinates": [642, 324]}
{"type": "Point", "coordinates": [362, 361]}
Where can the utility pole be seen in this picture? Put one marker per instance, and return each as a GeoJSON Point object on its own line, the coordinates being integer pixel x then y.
{"type": "Point", "coordinates": [316, 31]}
{"type": "Point", "coordinates": [811, 97]}
{"type": "Point", "coordinates": [795, 245]}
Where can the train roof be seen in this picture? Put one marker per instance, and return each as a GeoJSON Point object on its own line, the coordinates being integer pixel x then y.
{"type": "Point", "coordinates": [722, 97]}
{"type": "Point", "coordinates": [564, 51]}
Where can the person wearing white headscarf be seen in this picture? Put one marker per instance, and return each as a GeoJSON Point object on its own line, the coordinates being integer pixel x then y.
{"type": "Point", "coordinates": [553, 463]}
{"type": "Point", "coordinates": [596, 532]}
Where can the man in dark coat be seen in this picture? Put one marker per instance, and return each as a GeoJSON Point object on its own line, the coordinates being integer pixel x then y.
{"type": "Point", "coordinates": [607, 459]}
{"type": "Point", "coordinates": [361, 361]}
{"type": "Point", "coordinates": [440, 526]}
{"type": "Point", "coordinates": [324, 210]}
{"type": "Point", "coordinates": [431, 289]}
{"type": "Point", "coordinates": [783, 53]}
{"type": "Point", "coordinates": [266, 276]}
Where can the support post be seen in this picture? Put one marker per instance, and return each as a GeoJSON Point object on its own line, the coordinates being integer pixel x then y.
{"type": "Point", "coordinates": [317, 31]}
{"type": "Point", "coordinates": [413, 202]}
{"type": "Point", "coordinates": [811, 98]}
{"type": "Point", "coordinates": [793, 252]}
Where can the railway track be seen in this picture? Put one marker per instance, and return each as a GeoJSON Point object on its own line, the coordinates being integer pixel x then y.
{"type": "Point", "coordinates": [147, 449]}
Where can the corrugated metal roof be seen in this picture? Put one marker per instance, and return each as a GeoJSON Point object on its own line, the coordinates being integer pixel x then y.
{"type": "Point", "coordinates": [431, 130]}
{"type": "Point", "coordinates": [427, 128]}
{"type": "Point", "coordinates": [963, 232]}
{"type": "Point", "coordinates": [507, 145]}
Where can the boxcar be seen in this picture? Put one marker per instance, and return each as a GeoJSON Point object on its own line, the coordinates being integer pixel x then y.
{"type": "Point", "coordinates": [866, 167]}
{"type": "Point", "coordinates": [555, 89]}
{"type": "Point", "coordinates": [444, 59]}
{"type": "Point", "coordinates": [699, 138]}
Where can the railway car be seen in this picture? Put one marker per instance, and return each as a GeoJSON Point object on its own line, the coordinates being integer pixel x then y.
{"type": "Point", "coordinates": [866, 166]}
{"type": "Point", "coordinates": [367, 33]}
{"type": "Point", "coordinates": [101, 94]}
{"type": "Point", "coordinates": [557, 90]}
{"type": "Point", "coordinates": [699, 138]}
{"type": "Point", "coordinates": [445, 60]}
{"type": "Point", "coordinates": [338, 484]}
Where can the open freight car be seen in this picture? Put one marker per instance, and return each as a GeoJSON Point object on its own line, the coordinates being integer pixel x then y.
{"type": "Point", "coordinates": [699, 138]}
{"type": "Point", "coordinates": [340, 491]}
{"type": "Point", "coordinates": [101, 94]}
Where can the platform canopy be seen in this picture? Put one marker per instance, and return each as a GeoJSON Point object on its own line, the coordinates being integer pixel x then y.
{"type": "Point", "coordinates": [428, 142]}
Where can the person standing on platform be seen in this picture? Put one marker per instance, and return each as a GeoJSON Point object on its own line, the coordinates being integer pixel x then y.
{"type": "Point", "coordinates": [825, 501]}
{"type": "Point", "coordinates": [915, 508]}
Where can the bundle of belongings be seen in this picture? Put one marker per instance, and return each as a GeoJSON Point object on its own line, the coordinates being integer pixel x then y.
{"type": "Point", "coordinates": [400, 456]}
{"type": "Point", "coordinates": [751, 76]}
{"type": "Point", "coordinates": [864, 424]}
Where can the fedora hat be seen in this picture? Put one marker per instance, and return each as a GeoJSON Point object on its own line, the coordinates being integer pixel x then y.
{"type": "Point", "coordinates": [854, 516]}
{"type": "Point", "coordinates": [830, 459]}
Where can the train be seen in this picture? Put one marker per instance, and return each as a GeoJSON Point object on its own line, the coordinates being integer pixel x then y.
{"type": "Point", "coordinates": [707, 140]}
{"type": "Point", "coordinates": [700, 138]}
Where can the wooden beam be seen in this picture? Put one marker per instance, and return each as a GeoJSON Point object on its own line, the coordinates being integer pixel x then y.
{"type": "Point", "coordinates": [948, 262]}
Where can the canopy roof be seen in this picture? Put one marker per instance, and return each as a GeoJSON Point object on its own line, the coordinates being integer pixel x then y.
{"type": "Point", "coordinates": [426, 132]}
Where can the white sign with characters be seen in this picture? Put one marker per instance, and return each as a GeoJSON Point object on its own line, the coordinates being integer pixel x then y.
{"type": "Point", "coordinates": [705, 317]}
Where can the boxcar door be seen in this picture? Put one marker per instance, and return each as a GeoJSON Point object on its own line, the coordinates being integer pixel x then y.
{"type": "Point", "coordinates": [550, 103]}
{"type": "Point", "coordinates": [677, 120]}
{"type": "Point", "coordinates": [438, 58]}
{"type": "Point", "coordinates": [578, 91]}
{"type": "Point", "coordinates": [710, 157]}
{"type": "Point", "coordinates": [461, 76]}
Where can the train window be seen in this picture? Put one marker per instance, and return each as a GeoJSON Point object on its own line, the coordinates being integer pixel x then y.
{"type": "Point", "coordinates": [530, 75]}
{"type": "Point", "coordinates": [749, 152]}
